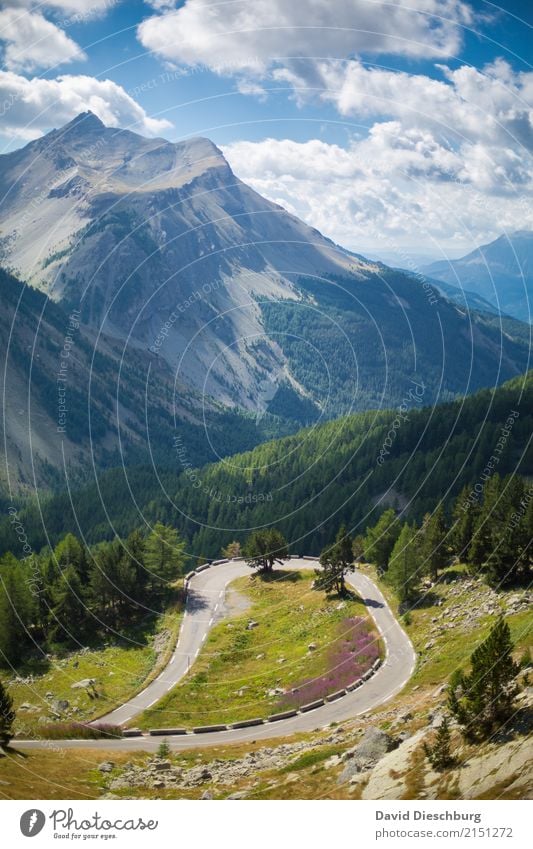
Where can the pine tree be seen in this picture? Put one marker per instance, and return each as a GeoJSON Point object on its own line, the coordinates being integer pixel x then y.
{"type": "Point", "coordinates": [440, 753]}
{"type": "Point", "coordinates": [263, 548]}
{"type": "Point", "coordinates": [17, 609]}
{"type": "Point", "coordinates": [336, 561]}
{"type": "Point", "coordinates": [434, 542]}
{"type": "Point", "coordinates": [164, 555]}
{"type": "Point", "coordinates": [7, 716]}
{"type": "Point", "coordinates": [379, 540]}
{"type": "Point", "coordinates": [464, 516]}
{"type": "Point", "coordinates": [483, 699]}
{"type": "Point", "coordinates": [404, 565]}
{"type": "Point", "coordinates": [482, 537]}
{"type": "Point", "coordinates": [69, 617]}
{"type": "Point", "coordinates": [233, 549]}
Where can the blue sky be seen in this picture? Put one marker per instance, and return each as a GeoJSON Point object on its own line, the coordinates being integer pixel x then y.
{"type": "Point", "coordinates": [391, 125]}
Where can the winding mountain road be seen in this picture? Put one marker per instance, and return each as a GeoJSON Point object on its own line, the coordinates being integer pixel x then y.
{"type": "Point", "coordinates": [206, 605]}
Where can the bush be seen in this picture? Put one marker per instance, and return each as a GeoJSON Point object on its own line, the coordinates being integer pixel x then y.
{"type": "Point", "coordinates": [80, 731]}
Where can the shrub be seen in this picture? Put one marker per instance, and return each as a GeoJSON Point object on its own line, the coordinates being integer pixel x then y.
{"type": "Point", "coordinates": [163, 750]}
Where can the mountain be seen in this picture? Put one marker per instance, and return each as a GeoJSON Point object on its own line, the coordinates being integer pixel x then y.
{"type": "Point", "coordinates": [160, 247]}
{"type": "Point", "coordinates": [307, 484]}
{"type": "Point", "coordinates": [501, 272]}
{"type": "Point", "coordinates": [73, 399]}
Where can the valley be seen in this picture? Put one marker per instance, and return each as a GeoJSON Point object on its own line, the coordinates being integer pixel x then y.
{"type": "Point", "coordinates": [267, 504]}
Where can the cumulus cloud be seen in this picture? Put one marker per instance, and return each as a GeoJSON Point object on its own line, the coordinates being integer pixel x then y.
{"type": "Point", "coordinates": [491, 105]}
{"type": "Point", "coordinates": [394, 189]}
{"type": "Point", "coordinates": [31, 42]}
{"type": "Point", "coordinates": [250, 36]}
{"type": "Point", "coordinates": [31, 107]}
{"type": "Point", "coordinates": [82, 7]}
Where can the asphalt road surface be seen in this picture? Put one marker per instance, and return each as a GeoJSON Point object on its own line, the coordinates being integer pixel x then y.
{"type": "Point", "coordinates": [205, 606]}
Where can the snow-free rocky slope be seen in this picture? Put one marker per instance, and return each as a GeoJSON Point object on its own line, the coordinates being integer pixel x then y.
{"type": "Point", "coordinates": [162, 247]}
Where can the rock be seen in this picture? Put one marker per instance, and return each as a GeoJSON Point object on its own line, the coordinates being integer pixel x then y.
{"type": "Point", "coordinates": [240, 794]}
{"type": "Point", "coordinates": [60, 705]}
{"type": "Point", "coordinates": [106, 766]}
{"type": "Point", "coordinates": [436, 720]}
{"type": "Point", "coordinates": [260, 656]}
{"type": "Point", "coordinates": [84, 684]}
{"type": "Point", "coordinates": [251, 625]}
{"type": "Point", "coordinates": [161, 766]}
{"type": "Point", "coordinates": [206, 795]}
{"type": "Point", "coordinates": [387, 780]}
{"type": "Point", "coordinates": [374, 745]}
{"type": "Point", "coordinates": [312, 646]}
{"type": "Point", "coordinates": [429, 645]}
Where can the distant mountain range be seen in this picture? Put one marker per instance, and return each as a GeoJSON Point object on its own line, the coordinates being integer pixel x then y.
{"type": "Point", "coordinates": [203, 311]}
{"type": "Point", "coordinates": [500, 272]}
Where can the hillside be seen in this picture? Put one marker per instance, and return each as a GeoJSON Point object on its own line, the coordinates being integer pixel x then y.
{"type": "Point", "coordinates": [162, 248]}
{"type": "Point", "coordinates": [500, 272]}
{"type": "Point", "coordinates": [375, 756]}
{"type": "Point", "coordinates": [307, 484]}
{"type": "Point", "coordinates": [74, 397]}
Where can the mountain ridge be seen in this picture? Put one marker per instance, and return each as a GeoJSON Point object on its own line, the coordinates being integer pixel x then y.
{"type": "Point", "coordinates": [500, 271]}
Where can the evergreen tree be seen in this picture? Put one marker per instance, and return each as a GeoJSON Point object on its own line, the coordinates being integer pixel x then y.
{"type": "Point", "coordinates": [483, 698]}
{"type": "Point", "coordinates": [404, 565]}
{"type": "Point", "coordinates": [433, 536]}
{"type": "Point", "coordinates": [233, 549]}
{"type": "Point", "coordinates": [17, 609]}
{"type": "Point", "coordinates": [69, 615]}
{"type": "Point", "coordinates": [164, 555]}
{"type": "Point", "coordinates": [263, 548]}
{"type": "Point", "coordinates": [7, 716]}
{"type": "Point", "coordinates": [135, 553]}
{"type": "Point", "coordinates": [336, 561]}
{"type": "Point", "coordinates": [440, 753]}
{"type": "Point", "coordinates": [464, 517]}
{"type": "Point", "coordinates": [70, 552]}
{"type": "Point", "coordinates": [379, 540]}
{"type": "Point", "coordinates": [482, 539]}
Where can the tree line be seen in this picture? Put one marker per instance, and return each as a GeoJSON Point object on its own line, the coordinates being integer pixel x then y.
{"type": "Point", "coordinates": [70, 595]}
{"type": "Point", "coordinates": [491, 532]}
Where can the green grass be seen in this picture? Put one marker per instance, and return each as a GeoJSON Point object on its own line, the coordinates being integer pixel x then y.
{"type": "Point", "coordinates": [120, 671]}
{"type": "Point", "coordinates": [238, 668]}
{"type": "Point", "coordinates": [452, 648]}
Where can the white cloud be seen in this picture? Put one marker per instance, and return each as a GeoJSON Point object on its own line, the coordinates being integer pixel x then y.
{"type": "Point", "coordinates": [30, 107]}
{"type": "Point", "coordinates": [83, 7]}
{"type": "Point", "coordinates": [491, 105]}
{"type": "Point", "coordinates": [392, 190]}
{"type": "Point", "coordinates": [31, 42]}
{"type": "Point", "coordinates": [250, 36]}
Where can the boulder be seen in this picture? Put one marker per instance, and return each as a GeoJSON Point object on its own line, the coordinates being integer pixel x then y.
{"type": "Point", "coordinates": [84, 684]}
{"type": "Point", "coordinates": [106, 766]}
